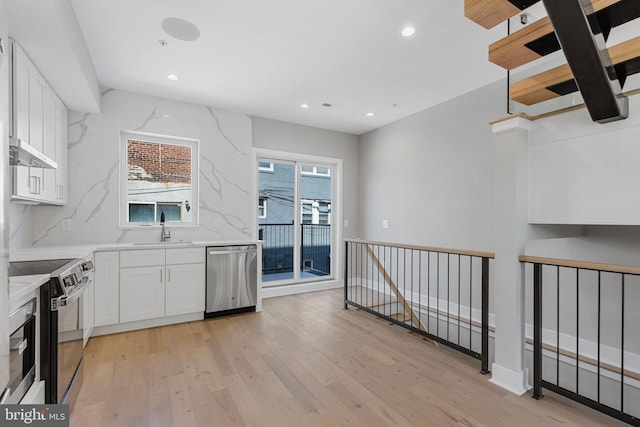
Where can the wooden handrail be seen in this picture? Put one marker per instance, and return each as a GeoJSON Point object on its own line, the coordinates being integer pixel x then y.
{"type": "Point", "coordinates": [584, 265]}
{"type": "Point", "coordinates": [407, 307]}
{"type": "Point", "coordinates": [511, 51]}
{"type": "Point", "coordinates": [466, 252]}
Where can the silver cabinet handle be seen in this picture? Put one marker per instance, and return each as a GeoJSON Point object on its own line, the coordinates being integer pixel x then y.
{"type": "Point", "coordinates": [160, 275]}
{"type": "Point", "coordinates": [241, 251]}
{"type": "Point", "coordinates": [168, 274]}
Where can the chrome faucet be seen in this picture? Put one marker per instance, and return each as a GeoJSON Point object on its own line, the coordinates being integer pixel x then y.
{"type": "Point", "coordinates": [166, 234]}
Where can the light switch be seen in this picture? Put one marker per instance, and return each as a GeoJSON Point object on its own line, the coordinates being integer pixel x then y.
{"type": "Point", "coordinates": [385, 223]}
{"type": "Point", "coordinates": [346, 223]}
{"type": "Point", "coordinates": [65, 224]}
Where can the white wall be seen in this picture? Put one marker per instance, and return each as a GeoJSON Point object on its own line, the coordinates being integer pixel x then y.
{"type": "Point", "coordinates": [583, 172]}
{"type": "Point", "coordinates": [227, 207]}
{"type": "Point", "coordinates": [431, 174]}
{"type": "Point", "coordinates": [288, 137]}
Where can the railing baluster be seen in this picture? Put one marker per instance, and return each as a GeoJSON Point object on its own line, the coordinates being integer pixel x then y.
{"type": "Point", "coordinates": [429, 291]}
{"type": "Point", "coordinates": [420, 289]}
{"type": "Point", "coordinates": [599, 296]}
{"type": "Point", "coordinates": [577, 331]}
{"type": "Point", "coordinates": [537, 331]}
{"type": "Point", "coordinates": [448, 286]}
{"type": "Point", "coordinates": [484, 368]}
{"type": "Point", "coordinates": [346, 274]}
{"type": "Point", "coordinates": [558, 326]}
{"type": "Point", "coordinates": [622, 349]}
{"type": "Point", "coordinates": [458, 299]}
{"type": "Point", "coordinates": [438, 295]}
{"type": "Point", "coordinates": [470, 302]}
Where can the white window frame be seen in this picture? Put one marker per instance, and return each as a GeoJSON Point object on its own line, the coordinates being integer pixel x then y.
{"type": "Point", "coordinates": [126, 135]}
{"type": "Point", "coordinates": [267, 168]}
{"type": "Point", "coordinates": [261, 154]}
{"type": "Point", "coordinates": [314, 171]}
{"type": "Point", "coordinates": [262, 206]}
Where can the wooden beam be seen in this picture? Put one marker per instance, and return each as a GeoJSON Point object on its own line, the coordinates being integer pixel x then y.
{"type": "Point", "coordinates": [407, 307]}
{"type": "Point", "coordinates": [534, 89]}
{"type": "Point", "coordinates": [489, 13]}
{"type": "Point", "coordinates": [511, 51]}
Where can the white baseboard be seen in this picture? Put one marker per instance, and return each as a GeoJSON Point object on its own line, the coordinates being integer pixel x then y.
{"type": "Point", "coordinates": [515, 382]}
{"type": "Point", "coordinates": [144, 324]}
{"type": "Point", "coordinates": [299, 288]}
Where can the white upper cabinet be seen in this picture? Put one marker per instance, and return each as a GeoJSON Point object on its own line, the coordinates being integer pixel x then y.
{"type": "Point", "coordinates": [39, 119]}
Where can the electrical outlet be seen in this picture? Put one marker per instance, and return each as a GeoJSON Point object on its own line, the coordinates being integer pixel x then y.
{"type": "Point", "coordinates": [217, 224]}
{"type": "Point", "coordinates": [385, 223]}
{"type": "Point", "coordinates": [65, 224]}
{"type": "Point", "coordinates": [346, 223]}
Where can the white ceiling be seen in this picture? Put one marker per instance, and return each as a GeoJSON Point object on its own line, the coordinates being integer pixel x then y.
{"type": "Point", "coordinates": [265, 58]}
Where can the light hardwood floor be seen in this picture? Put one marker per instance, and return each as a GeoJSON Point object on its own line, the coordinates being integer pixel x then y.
{"type": "Point", "coordinates": [303, 361]}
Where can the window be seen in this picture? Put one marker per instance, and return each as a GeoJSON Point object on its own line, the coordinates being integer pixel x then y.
{"type": "Point", "coordinates": [262, 207]}
{"type": "Point", "coordinates": [158, 175]}
{"type": "Point", "coordinates": [265, 166]}
{"type": "Point", "coordinates": [315, 170]}
{"type": "Point", "coordinates": [315, 211]}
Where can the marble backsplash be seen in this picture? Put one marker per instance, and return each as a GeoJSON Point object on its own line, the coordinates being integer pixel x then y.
{"type": "Point", "coordinates": [226, 204]}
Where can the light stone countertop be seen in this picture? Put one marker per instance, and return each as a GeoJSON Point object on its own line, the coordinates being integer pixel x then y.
{"type": "Point", "coordinates": [85, 251]}
{"type": "Point", "coordinates": [22, 286]}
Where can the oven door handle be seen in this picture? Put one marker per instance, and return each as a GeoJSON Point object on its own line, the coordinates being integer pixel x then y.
{"type": "Point", "coordinates": [65, 299]}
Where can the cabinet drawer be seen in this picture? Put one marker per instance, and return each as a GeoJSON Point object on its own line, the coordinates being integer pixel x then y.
{"type": "Point", "coordinates": [141, 258]}
{"type": "Point", "coordinates": [185, 255]}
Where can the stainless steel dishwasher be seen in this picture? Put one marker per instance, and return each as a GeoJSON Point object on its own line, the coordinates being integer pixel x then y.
{"type": "Point", "coordinates": [232, 279]}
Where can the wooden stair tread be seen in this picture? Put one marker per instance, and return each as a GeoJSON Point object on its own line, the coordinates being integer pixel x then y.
{"type": "Point", "coordinates": [534, 89]}
{"type": "Point", "coordinates": [489, 13]}
{"type": "Point", "coordinates": [511, 51]}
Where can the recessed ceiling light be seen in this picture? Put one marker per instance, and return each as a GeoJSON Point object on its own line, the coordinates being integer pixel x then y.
{"type": "Point", "coordinates": [180, 29]}
{"type": "Point", "coordinates": [408, 31]}
{"type": "Point", "coordinates": [370, 114]}
{"type": "Point", "coordinates": [304, 106]}
{"type": "Point", "coordinates": [172, 77]}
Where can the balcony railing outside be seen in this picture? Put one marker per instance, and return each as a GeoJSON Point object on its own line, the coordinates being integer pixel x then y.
{"type": "Point", "coordinates": [442, 294]}
{"type": "Point", "coordinates": [277, 249]}
{"type": "Point", "coordinates": [579, 303]}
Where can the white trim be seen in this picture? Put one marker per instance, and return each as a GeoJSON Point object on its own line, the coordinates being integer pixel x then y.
{"type": "Point", "coordinates": [262, 205]}
{"type": "Point", "coordinates": [515, 382]}
{"type": "Point", "coordinates": [516, 122]}
{"type": "Point", "coordinates": [265, 169]}
{"type": "Point", "coordinates": [336, 197]}
{"type": "Point", "coordinates": [299, 288]}
{"type": "Point", "coordinates": [144, 324]}
{"type": "Point", "coordinates": [123, 211]}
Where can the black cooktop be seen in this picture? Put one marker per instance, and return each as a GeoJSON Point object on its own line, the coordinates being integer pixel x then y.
{"type": "Point", "coordinates": [28, 268]}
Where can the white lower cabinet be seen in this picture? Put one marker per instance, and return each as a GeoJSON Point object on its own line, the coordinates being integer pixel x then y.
{"type": "Point", "coordinates": [136, 285]}
{"type": "Point", "coordinates": [107, 288]}
{"type": "Point", "coordinates": [141, 293]}
{"type": "Point", "coordinates": [184, 290]}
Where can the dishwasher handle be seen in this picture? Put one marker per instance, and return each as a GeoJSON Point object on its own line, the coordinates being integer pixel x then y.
{"type": "Point", "coordinates": [238, 251]}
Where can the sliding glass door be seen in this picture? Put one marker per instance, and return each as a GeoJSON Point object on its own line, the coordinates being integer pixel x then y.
{"type": "Point", "coordinates": [295, 200]}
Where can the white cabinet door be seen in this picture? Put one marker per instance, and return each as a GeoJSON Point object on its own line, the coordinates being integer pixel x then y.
{"type": "Point", "coordinates": [185, 288]}
{"type": "Point", "coordinates": [107, 288]}
{"type": "Point", "coordinates": [62, 152]}
{"type": "Point", "coordinates": [141, 293]}
{"type": "Point", "coordinates": [50, 149]}
{"type": "Point", "coordinates": [88, 312]}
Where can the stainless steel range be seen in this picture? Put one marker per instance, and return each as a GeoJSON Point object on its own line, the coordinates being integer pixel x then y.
{"type": "Point", "coordinates": [61, 333]}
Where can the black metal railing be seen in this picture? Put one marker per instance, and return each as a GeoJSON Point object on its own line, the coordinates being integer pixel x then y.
{"type": "Point", "coordinates": [582, 328]}
{"type": "Point", "coordinates": [442, 294]}
{"type": "Point", "coordinates": [277, 249]}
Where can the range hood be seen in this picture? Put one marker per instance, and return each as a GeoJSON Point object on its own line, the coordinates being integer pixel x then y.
{"type": "Point", "coordinates": [23, 154]}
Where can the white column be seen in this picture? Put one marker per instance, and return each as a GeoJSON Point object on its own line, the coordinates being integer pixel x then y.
{"type": "Point", "coordinates": [510, 233]}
